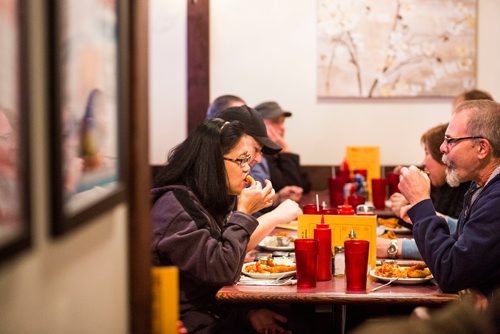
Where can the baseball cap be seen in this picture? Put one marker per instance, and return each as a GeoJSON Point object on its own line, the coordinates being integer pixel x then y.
{"type": "Point", "coordinates": [271, 110]}
{"type": "Point", "coordinates": [254, 126]}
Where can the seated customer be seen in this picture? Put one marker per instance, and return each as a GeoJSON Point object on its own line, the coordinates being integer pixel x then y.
{"type": "Point", "coordinates": [284, 167]}
{"type": "Point", "coordinates": [223, 102]}
{"type": "Point", "coordinates": [199, 226]}
{"type": "Point", "coordinates": [447, 200]}
{"type": "Point", "coordinates": [468, 258]}
{"type": "Point", "coordinates": [473, 94]}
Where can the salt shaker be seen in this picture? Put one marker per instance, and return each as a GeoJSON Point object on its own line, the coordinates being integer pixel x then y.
{"type": "Point", "coordinates": [339, 261]}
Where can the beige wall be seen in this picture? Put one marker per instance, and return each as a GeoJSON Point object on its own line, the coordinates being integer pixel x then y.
{"type": "Point", "coordinates": [76, 284]}
{"type": "Point", "coordinates": [266, 49]}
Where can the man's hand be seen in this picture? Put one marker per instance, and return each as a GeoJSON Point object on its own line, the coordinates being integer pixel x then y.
{"type": "Point", "coordinates": [290, 192]}
{"type": "Point", "coordinates": [414, 184]}
{"type": "Point", "coordinates": [275, 136]}
{"type": "Point", "coordinates": [287, 211]}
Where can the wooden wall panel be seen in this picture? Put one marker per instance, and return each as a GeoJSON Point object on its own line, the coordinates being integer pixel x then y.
{"type": "Point", "coordinates": [198, 47]}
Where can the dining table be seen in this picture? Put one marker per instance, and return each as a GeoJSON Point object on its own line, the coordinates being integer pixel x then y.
{"type": "Point", "coordinates": [347, 309]}
{"type": "Point", "coordinates": [333, 294]}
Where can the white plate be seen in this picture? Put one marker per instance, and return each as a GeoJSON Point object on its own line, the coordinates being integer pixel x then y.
{"type": "Point", "coordinates": [264, 241]}
{"type": "Point", "coordinates": [409, 281]}
{"type": "Point", "coordinates": [266, 276]}
{"type": "Point", "coordinates": [400, 230]}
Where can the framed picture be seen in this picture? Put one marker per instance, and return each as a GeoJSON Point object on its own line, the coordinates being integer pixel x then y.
{"type": "Point", "coordinates": [88, 119]}
{"type": "Point", "coordinates": [396, 48]}
{"type": "Point", "coordinates": [15, 223]}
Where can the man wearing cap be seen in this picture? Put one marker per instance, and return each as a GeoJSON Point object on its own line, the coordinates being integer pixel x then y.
{"type": "Point", "coordinates": [284, 167]}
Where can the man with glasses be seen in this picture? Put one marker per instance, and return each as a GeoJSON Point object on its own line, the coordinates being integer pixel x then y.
{"type": "Point", "coordinates": [470, 257]}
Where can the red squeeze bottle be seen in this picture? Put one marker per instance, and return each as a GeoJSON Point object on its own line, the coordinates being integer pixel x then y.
{"type": "Point", "coordinates": [346, 209]}
{"type": "Point", "coordinates": [323, 234]}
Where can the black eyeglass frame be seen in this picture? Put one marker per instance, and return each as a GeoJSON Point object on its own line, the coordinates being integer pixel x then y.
{"type": "Point", "coordinates": [450, 140]}
{"type": "Point", "coordinates": [241, 161]}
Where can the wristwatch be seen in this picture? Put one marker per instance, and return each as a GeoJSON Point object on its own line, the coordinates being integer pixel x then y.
{"type": "Point", "coordinates": [392, 250]}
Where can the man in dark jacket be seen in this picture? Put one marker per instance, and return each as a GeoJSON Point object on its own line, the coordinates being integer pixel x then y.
{"type": "Point", "coordinates": [284, 168]}
{"type": "Point", "coordinates": [470, 257]}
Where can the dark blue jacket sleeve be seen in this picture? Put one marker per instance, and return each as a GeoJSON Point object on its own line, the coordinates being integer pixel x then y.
{"type": "Point", "coordinates": [471, 257]}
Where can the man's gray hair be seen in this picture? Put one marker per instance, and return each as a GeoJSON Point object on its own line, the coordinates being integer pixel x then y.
{"type": "Point", "coordinates": [484, 121]}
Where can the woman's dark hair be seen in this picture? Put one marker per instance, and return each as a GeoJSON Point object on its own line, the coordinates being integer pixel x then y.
{"type": "Point", "coordinates": [198, 163]}
{"type": "Point", "coordinates": [434, 138]}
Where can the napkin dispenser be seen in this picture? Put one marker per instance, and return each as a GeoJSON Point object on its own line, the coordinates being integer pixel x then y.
{"type": "Point", "coordinates": [364, 226]}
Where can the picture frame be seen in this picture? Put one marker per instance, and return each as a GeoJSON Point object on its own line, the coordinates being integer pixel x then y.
{"type": "Point", "coordinates": [396, 49]}
{"type": "Point", "coordinates": [87, 115]}
{"type": "Point", "coordinates": [15, 203]}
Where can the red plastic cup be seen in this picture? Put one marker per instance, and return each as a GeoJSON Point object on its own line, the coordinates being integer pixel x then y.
{"type": "Point", "coordinates": [392, 183]}
{"type": "Point", "coordinates": [379, 193]}
{"type": "Point", "coordinates": [355, 200]}
{"type": "Point", "coordinates": [336, 188]}
{"type": "Point", "coordinates": [306, 262]}
{"type": "Point", "coordinates": [356, 265]}
{"type": "Point", "coordinates": [329, 211]}
{"type": "Point", "coordinates": [310, 209]}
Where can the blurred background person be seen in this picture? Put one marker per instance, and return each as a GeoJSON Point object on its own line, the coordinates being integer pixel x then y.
{"type": "Point", "coordinates": [223, 102]}
{"type": "Point", "coordinates": [474, 94]}
{"type": "Point", "coordinates": [284, 167]}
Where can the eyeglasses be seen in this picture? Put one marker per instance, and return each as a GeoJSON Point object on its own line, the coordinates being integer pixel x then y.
{"type": "Point", "coordinates": [241, 161]}
{"type": "Point", "coordinates": [450, 140]}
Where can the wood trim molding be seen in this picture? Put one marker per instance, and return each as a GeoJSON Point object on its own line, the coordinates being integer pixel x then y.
{"type": "Point", "coordinates": [139, 230]}
{"type": "Point", "coordinates": [198, 62]}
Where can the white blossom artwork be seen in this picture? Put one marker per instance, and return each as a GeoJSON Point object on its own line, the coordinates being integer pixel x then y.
{"type": "Point", "coordinates": [396, 48]}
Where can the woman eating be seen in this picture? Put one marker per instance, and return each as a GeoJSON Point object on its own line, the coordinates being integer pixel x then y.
{"type": "Point", "coordinates": [202, 220]}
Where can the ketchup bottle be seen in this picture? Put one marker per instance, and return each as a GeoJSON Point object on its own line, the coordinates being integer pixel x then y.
{"type": "Point", "coordinates": [323, 234]}
{"type": "Point", "coordinates": [346, 209]}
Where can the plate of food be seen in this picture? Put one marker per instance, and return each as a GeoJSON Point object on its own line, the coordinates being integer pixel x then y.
{"type": "Point", "coordinates": [391, 224]}
{"type": "Point", "coordinates": [278, 243]}
{"type": "Point", "coordinates": [270, 268]}
{"type": "Point", "coordinates": [388, 272]}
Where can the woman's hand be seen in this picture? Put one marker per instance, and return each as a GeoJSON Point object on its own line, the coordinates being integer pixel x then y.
{"type": "Point", "coordinates": [403, 214]}
{"type": "Point", "coordinates": [265, 321]}
{"type": "Point", "coordinates": [397, 202]}
{"type": "Point", "coordinates": [256, 198]}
